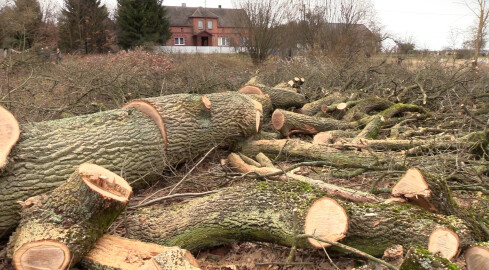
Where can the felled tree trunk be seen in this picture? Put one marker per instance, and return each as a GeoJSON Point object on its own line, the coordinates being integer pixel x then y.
{"type": "Point", "coordinates": [263, 212]}
{"type": "Point", "coordinates": [180, 127]}
{"type": "Point", "coordinates": [289, 122]}
{"type": "Point", "coordinates": [314, 107]}
{"type": "Point", "coordinates": [58, 228]}
{"type": "Point", "coordinates": [112, 252]}
{"type": "Point", "coordinates": [280, 97]}
{"type": "Point", "coordinates": [365, 106]}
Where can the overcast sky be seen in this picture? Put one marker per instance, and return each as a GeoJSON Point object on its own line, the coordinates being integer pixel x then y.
{"type": "Point", "coordinates": [431, 24]}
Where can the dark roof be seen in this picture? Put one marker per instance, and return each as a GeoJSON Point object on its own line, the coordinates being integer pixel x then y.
{"type": "Point", "coordinates": [226, 17]}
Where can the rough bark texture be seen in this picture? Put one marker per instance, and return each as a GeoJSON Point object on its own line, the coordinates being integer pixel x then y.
{"type": "Point", "coordinates": [263, 212]}
{"type": "Point", "coordinates": [76, 214]}
{"type": "Point", "coordinates": [112, 252]}
{"type": "Point", "coordinates": [125, 141]}
{"type": "Point", "coordinates": [418, 258]}
{"type": "Point", "coordinates": [287, 122]}
{"type": "Point", "coordinates": [266, 103]}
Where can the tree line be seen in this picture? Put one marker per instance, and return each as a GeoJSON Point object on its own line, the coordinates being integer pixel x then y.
{"type": "Point", "coordinates": [82, 26]}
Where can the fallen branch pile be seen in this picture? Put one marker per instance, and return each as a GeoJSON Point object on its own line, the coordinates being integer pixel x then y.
{"type": "Point", "coordinates": [61, 206]}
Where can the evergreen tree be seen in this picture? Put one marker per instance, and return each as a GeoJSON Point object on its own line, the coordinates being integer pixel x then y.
{"type": "Point", "coordinates": [84, 26]}
{"type": "Point", "coordinates": [140, 22]}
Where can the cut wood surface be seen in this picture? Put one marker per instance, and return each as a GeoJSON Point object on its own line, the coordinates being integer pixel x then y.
{"type": "Point", "coordinates": [327, 220]}
{"type": "Point", "coordinates": [445, 242]}
{"type": "Point", "coordinates": [477, 256]}
{"type": "Point", "coordinates": [263, 212]}
{"type": "Point", "coordinates": [413, 186]}
{"type": "Point", "coordinates": [9, 134]}
{"type": "Point", "coordinates": [125, 141]}
{"type": "Point", "coordinates": [61, 226]}
{"type": "Point", "coordinates": [113, 252]}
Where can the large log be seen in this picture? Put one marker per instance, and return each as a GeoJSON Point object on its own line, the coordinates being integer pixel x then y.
{"type": "Point", "coordinates": [113, 252]}
{"type": "Point", "coordinates": [477, 256]}
{"type": "Point", "coordinates": [9, 134]}
{"type": "Point", "coordinates": [280, 97]}
{"type": "Point", "coordinates": [289, 122]}
{"type": "Point", "coordinates": [314, 107]}
{"type": "Point", "coordinates": [125, 141]}
{"type": "Point", "coordinates": [263, 212]}
{"type": "Point", "coordinates": [58, 228]}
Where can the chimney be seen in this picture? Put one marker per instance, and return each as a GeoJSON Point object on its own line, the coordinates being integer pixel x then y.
{"type": "Point", "coordinates": [184, 4]}
{"type": "Point", "coordinates": [219, 6]}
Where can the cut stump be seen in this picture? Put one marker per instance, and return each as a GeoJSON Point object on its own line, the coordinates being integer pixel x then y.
{"type": "Point", "coordinates": [477, 257]}
{"type": "Point", "coordinates": [327, 220]}
{"type": "Point", "coordinates": [9, 134]}
{"type": "Point", "coordinates": [58, 228]}
{"type": "Point", "coordinates": [445, 242]}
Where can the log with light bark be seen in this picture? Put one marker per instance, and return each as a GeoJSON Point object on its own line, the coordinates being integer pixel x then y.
{"type": "Point", "coordinates": [477, 256]}
{"type": "Point", "coordinates": [113, 252]}
{"type": "Point", "coordinates": [280, 97]}
{"type": "Point", "coordinates": [283, 149]}
{"type": "Point", "coordinates": [125, 140]}
{"type": "Point", "coordinates": [58, 228]}
{"type": "Point", "coordinates": [263, 212]}
{"type": "Point", "coordinates": [9, 134]}
{"type": "Point", "coordinates": [314, 107]}
{"type": "Point", "coordinates": [418, 258]}
{"type": "Point", "coordinates": [288, 123]}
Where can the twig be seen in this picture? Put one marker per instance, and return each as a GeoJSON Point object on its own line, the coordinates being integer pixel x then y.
{"type": "Point", "coordinates": [172, 197]}
{"type": "Point", "coordinates": [354, 250]}
{"type": "Point", "coordinates": [191, 170]}
{"type": "Point", "coordinates": [291, 256]}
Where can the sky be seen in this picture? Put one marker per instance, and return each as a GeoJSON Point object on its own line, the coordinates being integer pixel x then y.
{"type": "Point", "coordinates": [431, 24]}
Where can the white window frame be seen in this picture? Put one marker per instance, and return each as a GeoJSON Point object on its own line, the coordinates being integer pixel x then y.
{"type": "Point", "coordinates": [179, 41]}
{"type": "Point", "coordinates": [224, 41]}
{"type": "Point", "coordinates": [200, 24]}
{"type": "Point", "coordinates": [209, 25]}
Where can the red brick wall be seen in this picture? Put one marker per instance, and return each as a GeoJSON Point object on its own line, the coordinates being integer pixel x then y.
{"type": "Point", "coordinates": [187, 33]}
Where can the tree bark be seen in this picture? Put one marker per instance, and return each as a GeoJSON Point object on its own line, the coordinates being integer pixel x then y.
{"type": "Point", "coordinates": [263, 212]}
{"type": "Point", "coordinates": [280, 97]}
{"type": "Point", "coordinates": [125, 141]}
{"type": "Point", "coordinates": [61, 226]}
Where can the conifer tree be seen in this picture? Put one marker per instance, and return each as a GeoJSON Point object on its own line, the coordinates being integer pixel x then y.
{"type": "Point", "coordinates": [141, 22]}
{"type": "Point", "coordinates": [84, 26]}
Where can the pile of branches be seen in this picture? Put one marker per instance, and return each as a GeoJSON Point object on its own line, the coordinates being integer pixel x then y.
{"type": "Point", "coordinates": [56, 204]}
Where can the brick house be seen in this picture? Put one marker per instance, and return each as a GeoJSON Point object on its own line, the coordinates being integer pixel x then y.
{"type": "Point", "coordinates": [199, 26]}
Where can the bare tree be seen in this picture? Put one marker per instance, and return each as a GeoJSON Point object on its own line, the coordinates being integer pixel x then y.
{"type": "Point", "coordinates": [480, 8]}
{"type": "Point", "coordinates": [261, 26]}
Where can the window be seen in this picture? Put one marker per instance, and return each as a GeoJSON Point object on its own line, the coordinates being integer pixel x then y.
{"type": "Point", "coordinates": [201, 24]}
{"type": "Point", "coordinates": [179, 41]}
{"type": "Point", "coordinates": [209, 24]}
{"type": "Point", "coordinates": [243, 41]}
{"type": "Point", "coordinates": [223, 41]}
